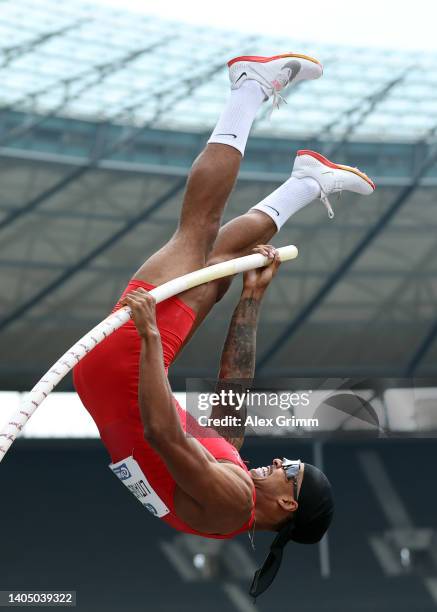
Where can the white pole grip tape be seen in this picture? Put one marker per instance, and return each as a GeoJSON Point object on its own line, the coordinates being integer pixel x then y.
{"type": "Point", "coordinates": [53, 377]}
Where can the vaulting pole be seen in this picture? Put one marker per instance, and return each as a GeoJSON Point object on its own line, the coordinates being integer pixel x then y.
{"type": "Point", "coordinates": [66, 363]}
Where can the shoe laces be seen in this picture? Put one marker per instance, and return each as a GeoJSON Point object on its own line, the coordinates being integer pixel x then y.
{"type": "Point", "coordinates": [276, 100]}
{"type": "Point", "coordinates": [327, 205]}
{"type": "Point", "coordinates": [338, 188]}
{"type": "Point", "coordinates": [271, 89]}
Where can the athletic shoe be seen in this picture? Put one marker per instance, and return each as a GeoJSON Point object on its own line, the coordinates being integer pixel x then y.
{"type": "Point", "coordinates": [273, 73]}
{"type": "Point", "coordinates": [332, 178]}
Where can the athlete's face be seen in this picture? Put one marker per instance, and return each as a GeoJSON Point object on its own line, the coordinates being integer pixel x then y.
{"type": "Point", "coordinates": [273, 474]}
{"type": "Point", "coordinates": [273, 480]}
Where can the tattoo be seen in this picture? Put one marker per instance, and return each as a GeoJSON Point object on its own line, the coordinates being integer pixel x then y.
{"type": "Point", "coordinates": [239, 351]}
{"type": "Point", "coordinates": [238, 363]}
{"type": "Point", "coordinates": [234, 432]}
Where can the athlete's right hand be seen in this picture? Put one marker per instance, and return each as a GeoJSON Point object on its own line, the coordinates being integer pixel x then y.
{"type": "Point", "coordinates": [259, 279]}
{"type": "Point", "coordinates": [143, 307]}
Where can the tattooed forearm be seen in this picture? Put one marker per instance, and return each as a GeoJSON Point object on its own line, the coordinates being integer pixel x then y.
{"type": "Point", "coordinates": [239, 351]}
{"type": "Point", "coordinates": [231, 429]}
{"type": "Point", "coordinates": [238, 364]}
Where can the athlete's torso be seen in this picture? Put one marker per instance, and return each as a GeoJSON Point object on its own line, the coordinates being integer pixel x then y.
{"type": "Point", "coordinates": [107, 383]}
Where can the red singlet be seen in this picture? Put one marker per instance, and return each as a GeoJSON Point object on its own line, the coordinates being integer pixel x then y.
{"type": "Point", "coordinates": [106, 381]}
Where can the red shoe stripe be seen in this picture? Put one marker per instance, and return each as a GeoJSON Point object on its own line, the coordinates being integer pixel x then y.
{"type": "Point", "coordinates": [262, 60]}
{"type": "Point", "coordinates": [330, 164]}
{"type": "Point", "coordinates": [318, 156]}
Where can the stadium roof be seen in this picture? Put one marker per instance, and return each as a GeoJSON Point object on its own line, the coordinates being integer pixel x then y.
{"type": "Point", "coordinates": [96, 140]}
{"type": "Point", "coordinates": [83, 61]}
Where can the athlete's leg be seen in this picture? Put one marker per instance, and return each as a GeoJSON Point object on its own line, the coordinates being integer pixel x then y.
{"type": "Point", "coordinates": [259, 225]}
{"type": "Point", "coordinates": [313, 177]}
{"type": "Point", "coordinates": [253, 80]}
{"type": "Point", "coordinates": [242, 234]}
{"type": "Point", "coordinates": [209, 185]}
{"type": "Point", "coordinates": [198, 237]}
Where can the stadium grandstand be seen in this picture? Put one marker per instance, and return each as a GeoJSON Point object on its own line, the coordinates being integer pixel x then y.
{"type": "Point", "coordinates": [102, 112]}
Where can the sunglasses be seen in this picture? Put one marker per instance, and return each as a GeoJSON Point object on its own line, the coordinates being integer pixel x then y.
{"type": "Point", "coordinates": [291, 469]}
{"type": "Point", "coordinates": [265, 575]}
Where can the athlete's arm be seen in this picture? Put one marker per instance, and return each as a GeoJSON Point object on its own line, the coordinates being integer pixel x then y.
{"type": "Point", "coordinates": [239, 351]}
{"type": "Point", "coordinates": [208, 483]}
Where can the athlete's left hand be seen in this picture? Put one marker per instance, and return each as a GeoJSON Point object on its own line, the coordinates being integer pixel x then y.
{"type": "Point", "coordinates": [258, 280]}
{"type": "Point", "coordinates": [143, 307]}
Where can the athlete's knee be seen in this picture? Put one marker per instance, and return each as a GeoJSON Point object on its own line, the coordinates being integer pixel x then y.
{"type": "Point", "coordinates": [221, 285]}
{"type": "Point", "coordinates": [201, 231]}
{"type": "Point", "coordinates": [216, 258]}
{"type": "Point", "coordinates": [211, 229]}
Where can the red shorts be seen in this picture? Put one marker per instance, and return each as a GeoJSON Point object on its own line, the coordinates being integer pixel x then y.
{"type": "Point", "coordinates": [106, 379]}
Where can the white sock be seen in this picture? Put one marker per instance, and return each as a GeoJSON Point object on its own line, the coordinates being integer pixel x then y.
{"type": "Point", "coordinates": [235, 122]}
{"type": "Point", "coordinates": [290, 197]}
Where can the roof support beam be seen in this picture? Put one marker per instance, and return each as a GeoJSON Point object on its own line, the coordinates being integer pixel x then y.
{"type": "Point", "coordinates": [422, 350]}
{"type": "Point", "coordinates": [69, 272]}
{"type": "Point", "coordinates": [360, 111]}
{"type": "Point", "coordinates": [184, 88]}
{"type": "Point", "coordinates": [97, 73]}
{"type": "Point", "coordinates": [14, 52]}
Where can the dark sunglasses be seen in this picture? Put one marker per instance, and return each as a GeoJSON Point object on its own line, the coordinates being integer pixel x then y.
{"type": "Point", "coordinates": [266, 574]}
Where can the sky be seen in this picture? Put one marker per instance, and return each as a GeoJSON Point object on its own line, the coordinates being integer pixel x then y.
{"type": "Point", "coordinates": [393, 24]}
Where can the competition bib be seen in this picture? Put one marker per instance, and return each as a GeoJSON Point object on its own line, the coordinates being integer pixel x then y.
{"type": "Point", "coordinates": [131, 475]}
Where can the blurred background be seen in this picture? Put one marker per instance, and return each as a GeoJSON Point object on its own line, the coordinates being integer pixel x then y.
{"type": "Point", "coordinates": [102, 111]}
